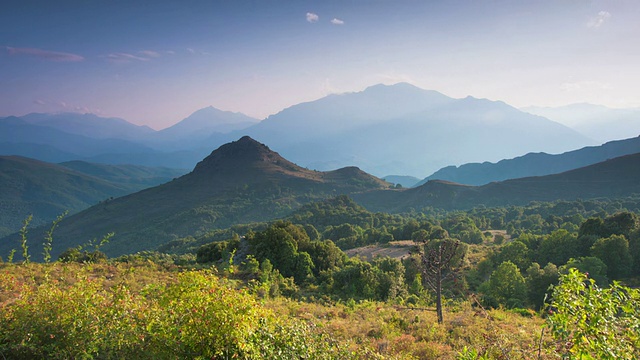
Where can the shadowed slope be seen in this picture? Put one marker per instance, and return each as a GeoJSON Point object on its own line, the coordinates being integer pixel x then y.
{"type": "Point", "coordinates": [240, 182]}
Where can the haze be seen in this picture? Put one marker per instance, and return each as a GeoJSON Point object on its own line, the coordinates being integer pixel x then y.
{"type": "Point", "coordinates": [156, 62]}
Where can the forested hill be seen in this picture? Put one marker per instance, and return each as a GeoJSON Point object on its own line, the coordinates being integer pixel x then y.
{"type": "Point", "coordinates": [612, 178]}
{"type": "Point", "coordinates": [240, 182]}
{"type": "Point", "coordinates": [44, 190]}
{"type": "Point", "coordinates": [534, 164]}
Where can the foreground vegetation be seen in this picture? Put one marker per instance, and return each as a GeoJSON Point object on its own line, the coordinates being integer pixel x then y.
{"type": "Point", "coordinates": [287, 290]}
{"type": "Point", "coordinates": [145, 310]}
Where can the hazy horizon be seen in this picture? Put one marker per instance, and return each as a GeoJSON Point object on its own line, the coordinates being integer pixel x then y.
{"type": "Point", "coordinates": [156, 63]}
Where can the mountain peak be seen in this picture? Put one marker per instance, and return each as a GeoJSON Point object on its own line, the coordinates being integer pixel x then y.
{"type": "Point", "coordinates": [243, 158]}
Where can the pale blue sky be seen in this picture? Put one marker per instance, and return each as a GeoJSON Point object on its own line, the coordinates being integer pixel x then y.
{"type": "Point", "coordinates": [155, 62]}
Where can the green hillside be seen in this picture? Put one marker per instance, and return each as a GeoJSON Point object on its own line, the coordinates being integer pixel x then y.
{"type": "Point", "coordinates": [46, 190]}
{"type": "Point", "coordinates": [131, 177]}
{"type": "Point", "coordinates": [241, 182]}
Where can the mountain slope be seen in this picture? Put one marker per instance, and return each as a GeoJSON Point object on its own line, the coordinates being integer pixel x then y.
{"type": "Point", "coordinates": [612, 178]}
{"type": "Point", "coordinates": [401, 129]}
{"type": "Point", "coordinates": [45, 190]}
{"type": "Point", "coordinates": [534, 164]}
{"type": "Point", "coordinates": [240, 182]}
{"type": "Point", "coordinates": [130, 177]}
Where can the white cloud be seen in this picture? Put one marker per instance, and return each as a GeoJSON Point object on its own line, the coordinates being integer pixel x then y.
{"type": "Point", "coordinates": [337, 21]}
{"type": "Point", "coordinates": [599, 20]}
{"type": "Point", "coordinates": [39, 102]}
{"type": "Point", "coordinates": [45, 54]}
{"type": "Point", "coordinates": [311, 17]}
{"type": "Point", "coordinates": [123, 58]}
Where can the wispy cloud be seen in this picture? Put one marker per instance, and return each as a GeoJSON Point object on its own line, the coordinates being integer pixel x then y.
{"type": "Point", "coordinates": [149, 53]}
{"type": "Point", "coordinates": [45, 54]}
{"type": "Point", "coordinates": [598, 20]}
{"type": "Point", "coordinates": [39, 102]}
{"type": "Point", "coordinates": [337, 21]}
{"type": "Point", "coordinates": [123, 58]}
{"type": "Point", "coordinates": [311, 17]}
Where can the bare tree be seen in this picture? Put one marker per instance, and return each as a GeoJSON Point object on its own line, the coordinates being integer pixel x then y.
{"type": "Point", "coordinates": [437, 266]}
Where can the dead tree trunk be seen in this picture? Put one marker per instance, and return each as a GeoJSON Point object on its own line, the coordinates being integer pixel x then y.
{"type": "Point", "coordinates": [436, 266]}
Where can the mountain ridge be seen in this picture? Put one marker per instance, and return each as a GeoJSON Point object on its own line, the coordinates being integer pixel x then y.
{"type": "Point", "coordinates": [534, 164]}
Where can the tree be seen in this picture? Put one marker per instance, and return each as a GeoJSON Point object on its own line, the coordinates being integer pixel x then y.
{"type": "Point", "coordinates": [507, 286]}
{"type": "Point", "coordinates": [538, 281]}
{"type": "Point", "coordinates": [438, 263]}
{"type": "Point", "coordinates": [558, 247]}
{"type": "Point", "coordinates": [614, 252]}
{"type": "Point", "coordinates": [516, 252]}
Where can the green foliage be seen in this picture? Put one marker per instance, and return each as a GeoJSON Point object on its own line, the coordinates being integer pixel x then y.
{"type": "Point", "coordinates": [48, 238]}
{"type": "Point", "coordinates": [23, 238]}
{"type": "Point", "coordinates": [194, 316]}
{"type": "Point", "coordinates": [217, 251]}
{"type": "Point", "coordinates": [614, 252]}
{"type": "Point", "coordinates": [516, 252]}
{"type": "Point", "coordinates": [558, 247]}
{"type": "Point", "coordinates": [82, 255]}
{"type": "Point", "coordinates": [538, 281]}
{"type": "Point", "coordinates": [589, 265]}
{"type": "Point", "coordinates": [506, 287]}
{"type": "Point", "coordinates": [594, 323]}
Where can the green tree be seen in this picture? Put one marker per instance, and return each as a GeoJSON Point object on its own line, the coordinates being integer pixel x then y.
{"type": "Point", "coordinates": [614, 252]}
{"type": "Point", "coordinates": [538, 281]}
{"type": "Point", "coordinates": [507, 286]}
{"type": "Point", "coordinates": [558, 247]}
{"type": "Point", "coordinates": [516, 252]}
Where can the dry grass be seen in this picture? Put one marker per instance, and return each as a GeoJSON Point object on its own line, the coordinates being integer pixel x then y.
{"type": "Point", "coordinates": [394, 249]}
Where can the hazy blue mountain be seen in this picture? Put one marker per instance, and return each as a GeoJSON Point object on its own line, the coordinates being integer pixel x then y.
{"type": "Point", "coordinates": [16, 133]}
{"type": "Point", "coordinates": [90, 125]}
{"type": "Point", "coordinates": [613, 178]}
{"type": "Point", "coordinates": [595, 121]}
{"type": "Point", "coordinates": [401, 129]}
{"type": "Point", "coordinates": [404, 180]}
{"type": "Point", "coordinates": [534, 164]}
{"type": "Point", "coordinates": [44, 190]}
{"type": "Point", "coordinates": [204, 128]}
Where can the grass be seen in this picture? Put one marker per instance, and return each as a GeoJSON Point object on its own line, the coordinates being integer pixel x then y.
{"type": "Point", "coordinates": [362, 330]}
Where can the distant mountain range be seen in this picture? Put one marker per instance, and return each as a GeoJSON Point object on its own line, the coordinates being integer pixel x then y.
{"type": "Point", "coordinates": [534, 164]}
{"type": "Point", "coordinates": [45, 190]}
{"type": "Point", "coordinates": [397, 129]}
{"type": "Point", "coordinates": [244, 181]}
{"type": "Point", "coordinates": [595, 121]}
{"type": "Point", "coordinates": [87, 137]}
{"type": "Point", "coordinates": [401, 129]}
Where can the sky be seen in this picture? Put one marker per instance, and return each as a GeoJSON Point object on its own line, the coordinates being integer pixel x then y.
{"type": "Point", "coordinates": [156, 62]}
